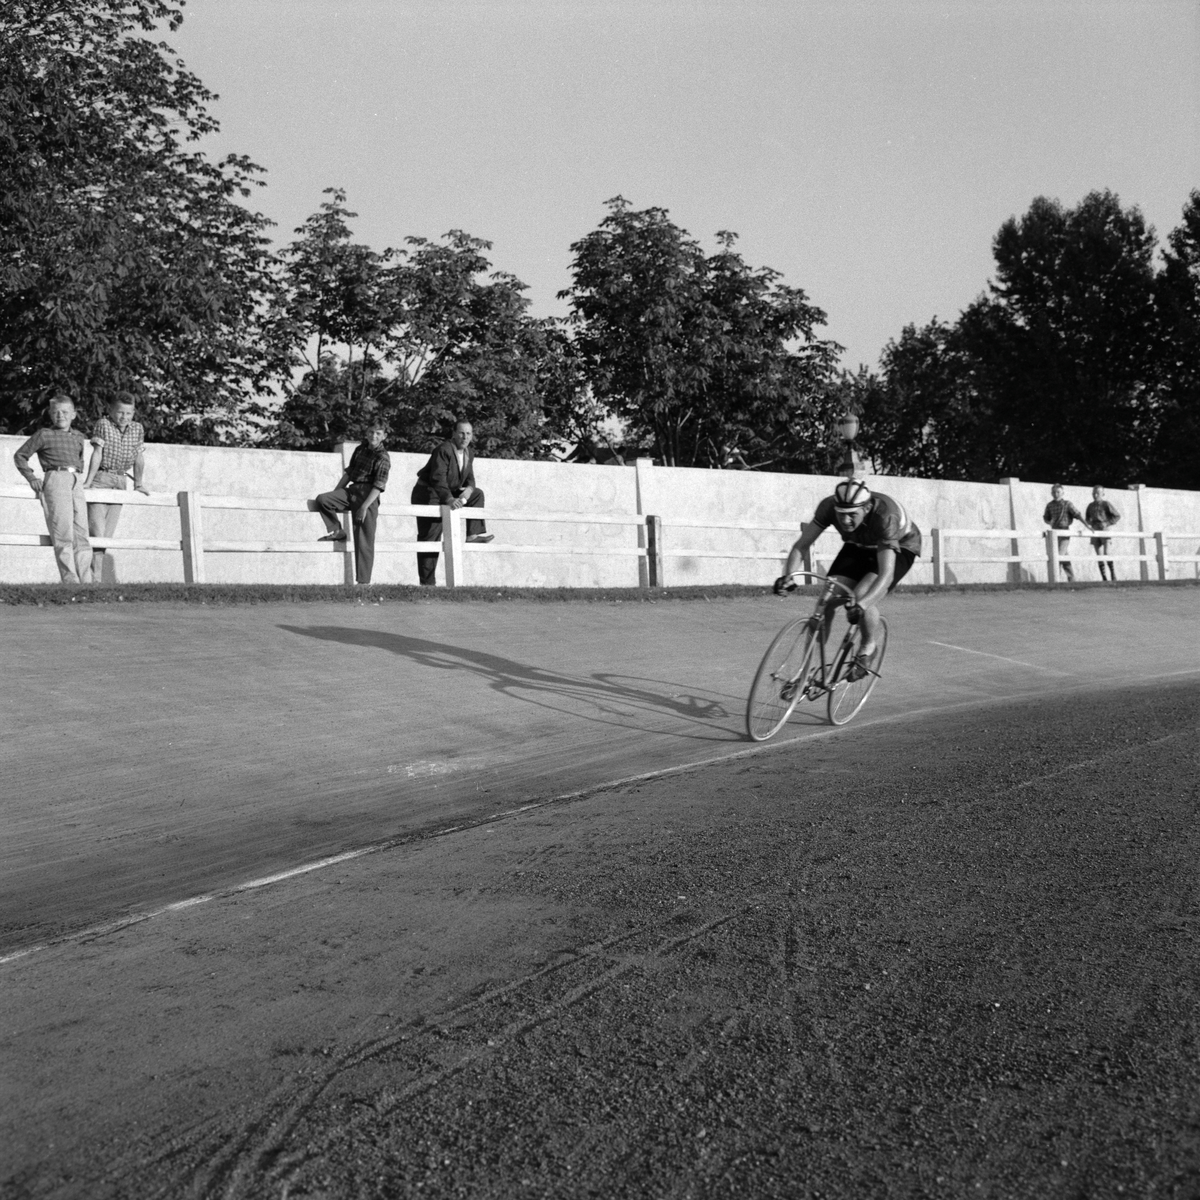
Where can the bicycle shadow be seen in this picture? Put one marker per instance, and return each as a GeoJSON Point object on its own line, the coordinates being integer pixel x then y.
{"type": "Point", "coordinates": [611, 699]}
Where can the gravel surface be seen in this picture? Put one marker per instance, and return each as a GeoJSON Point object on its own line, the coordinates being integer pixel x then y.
{"type": "Point", "coordinates": [955, 956]}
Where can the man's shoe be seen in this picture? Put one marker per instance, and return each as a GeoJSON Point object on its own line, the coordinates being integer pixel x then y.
{"type": "Point", "coordinates": [481, 537]}
{"type": "Point", "coordinates": [860, 667]}
{"type": "Point", "coordinates": [340, 536]}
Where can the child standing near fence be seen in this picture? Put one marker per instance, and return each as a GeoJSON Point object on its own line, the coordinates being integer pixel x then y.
{"type": "Point", "coordinates": [1099, 515]}
{"type": "Point", "coordinates": [61, 450]}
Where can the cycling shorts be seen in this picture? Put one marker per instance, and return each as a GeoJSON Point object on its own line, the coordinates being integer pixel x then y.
{"type": "Point", "coordinates": [853, 562]}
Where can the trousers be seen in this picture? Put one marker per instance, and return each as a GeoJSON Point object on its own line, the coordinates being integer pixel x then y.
{"type": "Point", "coordinates": [67, 521]}
{"type": "Point", "coordinates": [102, 522]}
{"type": "Point", "coordinates": [429, 529]}
{"type": "Point", "coordinates": [342, 500]}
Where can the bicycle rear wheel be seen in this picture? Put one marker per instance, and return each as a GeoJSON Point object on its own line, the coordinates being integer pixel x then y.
{"type": "Point", "coordinates": [846, 697]}
{"type": "Point", "coordinates": [780, 679]}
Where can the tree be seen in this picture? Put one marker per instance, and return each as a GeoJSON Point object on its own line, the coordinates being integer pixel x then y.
{"type": "Point", "coordinates": [1063, 349]}
{"type": "Point", "coordinates": [127, 262]}
{"type": "Point", "coordinates": [1055, 372]}
{"type": "Point", "coordinates": [922, 414]}
{"type": "Point", "coordinates": [712, 362]}
{"type": "Point", "coordinates": [332, 292]}
{"type": "Point", "coordinates": [439, 335]}
{"type": "Point", "coordinates": [1175, 461]}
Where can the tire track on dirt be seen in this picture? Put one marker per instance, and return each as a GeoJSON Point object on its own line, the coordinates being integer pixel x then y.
{"type": "Point", "coordinates": [240, 1167]}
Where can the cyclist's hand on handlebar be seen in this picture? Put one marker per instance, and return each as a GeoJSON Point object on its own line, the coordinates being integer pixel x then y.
{"type": "Point", "coordinates": [785, 583]}
{"type": "Point", "coordinates": [853, 613]}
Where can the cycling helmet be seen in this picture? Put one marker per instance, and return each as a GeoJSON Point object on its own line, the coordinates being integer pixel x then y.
{"type": "Point", "coordinates": [851, 494]}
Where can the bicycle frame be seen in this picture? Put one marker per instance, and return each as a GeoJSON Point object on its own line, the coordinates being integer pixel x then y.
{"type": "Point", "coordinates": [816, 687]}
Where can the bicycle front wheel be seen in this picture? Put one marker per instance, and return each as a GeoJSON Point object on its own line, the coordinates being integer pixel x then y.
{"type": "Point", "coordinates": [846, 697]}
{"type": "Point", "coordinates": [780, 679]}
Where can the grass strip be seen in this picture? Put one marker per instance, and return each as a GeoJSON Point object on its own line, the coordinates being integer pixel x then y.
{"type": "Point", "coordinates": [44, 594]}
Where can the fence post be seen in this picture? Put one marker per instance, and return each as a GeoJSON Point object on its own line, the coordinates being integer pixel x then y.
{"type": "Point", "coordinates": [1051, 556]}
{"type": "Point", "coordinates": [452, 546]}
{"type": "Point", "coordinates": [935, 535]}
{"type": "Point", "coordinates": [654, 553]}
{"type": "Point", "coordinates": [1160, 553]}
{"type": "Point", "coordinates": [345, 451]}
{"type": "Point", "coordinates": [1138, 490]}
{"type": "Point", "coordinates": [1014, 568]}
{"type": "Point", "coordinates": [191, 530]}
{"type": "Point", "coordinates": [644, 480]}
{"type": "Point", "coordinates": [349, 577]}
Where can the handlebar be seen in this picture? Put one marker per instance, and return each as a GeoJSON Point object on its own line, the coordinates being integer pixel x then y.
{"type": "Point", "coordinates": [833, 583]}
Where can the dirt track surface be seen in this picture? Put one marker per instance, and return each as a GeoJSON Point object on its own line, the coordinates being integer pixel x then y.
{"type": "Point", "coordinates": [941, 954]}
{"type": "Point", "coordinates": [158, 752]}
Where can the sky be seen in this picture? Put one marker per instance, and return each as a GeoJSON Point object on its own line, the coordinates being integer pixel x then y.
{"type": "Point", "coordinates": [868, 152]}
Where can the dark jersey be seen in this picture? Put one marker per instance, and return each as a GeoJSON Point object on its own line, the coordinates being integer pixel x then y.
{"type": "Point", "coordinates": [885, 527]}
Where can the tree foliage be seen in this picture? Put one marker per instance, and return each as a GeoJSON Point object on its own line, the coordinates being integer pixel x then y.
{"type": "Point", "coordinates": [711, 362]}
{"type": "Point", "coordinates": [127, 262]}
{"type": "Point", "coordinates": [438, 336]}
{"type": "Point", "coordinates": [1080, 362]}
{"type": "Point", "coordinates": [1175, 461]}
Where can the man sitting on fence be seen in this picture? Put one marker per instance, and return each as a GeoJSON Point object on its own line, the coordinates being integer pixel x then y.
{"type": "Point", "coordinates": [118, 440]}
{"type": "Point", "coordinates": [358, 492]}
{"type": "Point", "coordinates": [61, 451]}
{"type": "Point", "coordinates": [448, 478]}
{"type": "Point", "coordinates": [1059, 514]}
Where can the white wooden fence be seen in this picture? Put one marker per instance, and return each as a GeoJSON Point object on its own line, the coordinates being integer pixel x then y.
{"type": "Point", "coordinates": [652, 548]}
{"type": "Point", "coordinates": [1161, 555]}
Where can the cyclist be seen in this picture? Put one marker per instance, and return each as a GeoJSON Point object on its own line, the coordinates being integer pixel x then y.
{"type": "Point", "coordinates": [880, 543]}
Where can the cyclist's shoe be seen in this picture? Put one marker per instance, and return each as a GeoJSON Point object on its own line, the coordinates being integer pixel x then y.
{"type": "Point", "coordinates": [860, 667]}
{"type": "Point", "coordinates": [785, 583]}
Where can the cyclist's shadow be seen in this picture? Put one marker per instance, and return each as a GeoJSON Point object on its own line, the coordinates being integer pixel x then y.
{"type": "Point", "coordinates": [612, 695]}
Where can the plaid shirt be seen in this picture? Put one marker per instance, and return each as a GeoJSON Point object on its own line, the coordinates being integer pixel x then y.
{"type": "Point", "coordinates": [1060, 513]}
{"type": "Point", "coordinates": [369, 468]}
{"type": "Point", "coordinates": [54, 448]}
{"type": "Point", "coordinates": [120, 448]}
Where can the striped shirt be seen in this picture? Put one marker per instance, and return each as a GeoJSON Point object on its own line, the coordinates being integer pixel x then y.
{"type": "Point", "coordinates": [1060, 513]}
{"type": "Point", "coordinates": [119, 447]}
{"type": "Point", "coordinates": [54, 448]}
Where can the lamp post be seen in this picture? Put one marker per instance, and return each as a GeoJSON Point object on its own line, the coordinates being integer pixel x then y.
{"type": "Point", "coordinates": [848, 430]}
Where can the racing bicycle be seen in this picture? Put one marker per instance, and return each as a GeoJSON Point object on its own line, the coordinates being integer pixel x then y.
{"type": "Point", "coordinates": [798, 666]}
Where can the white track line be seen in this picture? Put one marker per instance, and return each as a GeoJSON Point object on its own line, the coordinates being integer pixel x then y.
{"type": "Point", "coordinates": [985, 654]}
{"type": "Point", "coordinates": [109, 927]}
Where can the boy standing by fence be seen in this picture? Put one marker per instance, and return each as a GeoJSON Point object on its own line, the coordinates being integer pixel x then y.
{"type": "Point", "coordinates": [118, 440]}
{"type": "Point", "coordinates": [1059, 514]}
{"type": "Point", "coordinates": [1099, 516]}
{"type": "Point", "coordinates": [61, 450]}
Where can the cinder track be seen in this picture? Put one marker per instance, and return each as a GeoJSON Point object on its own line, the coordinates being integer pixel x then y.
{"type": "Point", "coordinates": [943, 953]}
{"type": "Point", "coordinates": [187, 750]}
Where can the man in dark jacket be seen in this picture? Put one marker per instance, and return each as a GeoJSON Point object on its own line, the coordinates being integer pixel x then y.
{"type": "Point", "coordinates": [448, 478]}
{"type": "Point", "coordinates": [358, 492]}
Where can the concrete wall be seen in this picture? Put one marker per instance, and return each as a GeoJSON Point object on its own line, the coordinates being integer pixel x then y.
{"type": "Point", "coordinates": [577, 557]}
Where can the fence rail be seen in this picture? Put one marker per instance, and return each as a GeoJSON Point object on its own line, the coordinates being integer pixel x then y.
{"type": "Point", "coordinates": [652, 548]}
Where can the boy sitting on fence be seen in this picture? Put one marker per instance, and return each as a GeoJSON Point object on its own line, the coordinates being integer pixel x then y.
{"type": "Point", "coordinates": [60, 450]}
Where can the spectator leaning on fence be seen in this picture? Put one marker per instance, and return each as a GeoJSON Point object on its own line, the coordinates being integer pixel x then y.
{"type": "Point", "coordinates": [447, 478]}
{"type": "Point", "coordinates": [118, 439]}
{"type": "Point", "coordinates": [1099, 515]}
{"type": "Point", "coordinates": [1059, 514]}
{"type": "Point", "coordinates": [358, 491]}
{"type": "Point", "coordinates": [61, 451]}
